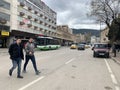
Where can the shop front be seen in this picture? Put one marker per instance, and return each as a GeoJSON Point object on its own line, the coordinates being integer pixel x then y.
{"type": "Point", "coordinates": [4, 36]}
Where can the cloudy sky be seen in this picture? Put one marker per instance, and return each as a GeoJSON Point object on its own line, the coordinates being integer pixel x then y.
{"type": "Point", "coordinates": [73, 13]}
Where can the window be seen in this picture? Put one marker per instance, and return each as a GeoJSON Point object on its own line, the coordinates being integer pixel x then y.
{"type": "Point", "coordinates": [4, 16]}
{"type": "Point", "coordinates": [4, 4]}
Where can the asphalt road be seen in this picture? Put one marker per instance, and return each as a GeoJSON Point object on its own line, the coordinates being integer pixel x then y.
{"type": "Point", "coordinates": [63, 69]}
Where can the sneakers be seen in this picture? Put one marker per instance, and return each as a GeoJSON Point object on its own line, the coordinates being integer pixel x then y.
{"type": "Point", "coordinates": [20, 77]}
{"type": "Point", "coordinates": [38, 72]}
{"type": "Point", "coordinates": [10, 72]}
{"type": "Point", "coordinates": [24, 71]}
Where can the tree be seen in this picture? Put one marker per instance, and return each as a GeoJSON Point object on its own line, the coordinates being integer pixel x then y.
{"type": "Point", "coordinates": [107, 11]}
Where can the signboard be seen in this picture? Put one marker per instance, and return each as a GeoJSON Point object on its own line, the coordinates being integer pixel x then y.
{"type": "Point", "coordinates": [4, 33]}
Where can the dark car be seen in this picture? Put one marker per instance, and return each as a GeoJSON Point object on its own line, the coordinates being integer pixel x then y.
{"type": "Point", "coordinates": [101, 49]}
{"type": "Point", "coordinates": [81, 46]}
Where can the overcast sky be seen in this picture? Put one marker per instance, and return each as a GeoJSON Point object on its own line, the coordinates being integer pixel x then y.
{"type": "Point", "coordinates": [73, 13]}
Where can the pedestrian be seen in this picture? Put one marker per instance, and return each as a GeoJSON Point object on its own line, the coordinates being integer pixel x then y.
{"type": "Point", "coordinates": [29, 49]}
{"type": "Point", "coordinates": [114, 49]}
{"type": "Point", "coordinates": [16, 55]}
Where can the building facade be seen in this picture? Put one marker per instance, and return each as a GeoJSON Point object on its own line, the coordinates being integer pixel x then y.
{"type": "Point", "coordinates": [103, 35]}
{"type": "Point", "coordinates": [4, 22]}
{"type": "Point", "coordinates": [64, 33]}
{"type": "Point", "coordinates": [31, 18]}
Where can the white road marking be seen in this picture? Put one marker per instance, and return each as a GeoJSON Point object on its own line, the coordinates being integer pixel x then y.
{"type": "Point", "coordinates": [70, 61]}
{"type": "Point", "coordinates": [117, 88]}
{"type": "Point", "coordinates": [31, 83]}
{"type": "Point", "coordinates": [114, 80]}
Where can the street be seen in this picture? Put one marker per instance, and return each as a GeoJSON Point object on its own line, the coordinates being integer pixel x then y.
{"type": "Point", "coordinates": [63, 69]}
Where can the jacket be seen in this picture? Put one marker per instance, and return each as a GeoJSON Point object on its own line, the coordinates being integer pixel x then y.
{"type": "Point", "coordinates": [30, 47]}
{"type": "Point", "coordinates": [16, 51]}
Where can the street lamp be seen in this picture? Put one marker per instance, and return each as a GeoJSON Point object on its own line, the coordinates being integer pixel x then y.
{"type": "Point", "coordinates": [100, 31]}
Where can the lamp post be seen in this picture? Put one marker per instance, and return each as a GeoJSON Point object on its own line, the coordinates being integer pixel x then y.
{"type": "Point", "coordinates": [100, 32]}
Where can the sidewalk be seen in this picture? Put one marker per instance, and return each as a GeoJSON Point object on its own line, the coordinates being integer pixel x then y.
{"type": "Point", "coordinates": [117, 58]}
{"type": "Point", "coordinates": [3, 50]}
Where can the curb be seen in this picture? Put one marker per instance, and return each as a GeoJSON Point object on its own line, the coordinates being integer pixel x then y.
{"type": "Point", "coordinates": [115, 60]}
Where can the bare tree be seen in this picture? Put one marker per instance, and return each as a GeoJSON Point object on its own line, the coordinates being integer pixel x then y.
{"type": "Point", "coordinates": [105, 10]}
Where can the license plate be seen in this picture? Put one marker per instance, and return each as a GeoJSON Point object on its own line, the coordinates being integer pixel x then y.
{"type": "Point", "coordinates": [101, 54]}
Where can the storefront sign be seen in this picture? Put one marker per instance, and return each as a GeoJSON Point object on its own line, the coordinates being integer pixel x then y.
{"type": "Point", "coordinates": [4, 33]}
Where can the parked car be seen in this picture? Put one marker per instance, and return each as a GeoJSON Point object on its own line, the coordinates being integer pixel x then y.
{"type": "Point", "coordinates": [81, 47]}
{"type": "Point", "coordinates": [87, 46]}
{"type": "Point", "coordinates": [101, 49]}
{"type": "Point", "coordinates": [73, 46]}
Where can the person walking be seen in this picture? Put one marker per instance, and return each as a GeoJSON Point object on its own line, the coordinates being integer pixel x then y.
{"type": "Point", "coordinates": [114, 49]}
{"type": "Point", "coordinates": [16, 55]}
{"type": "Point", "coordinates": [29, 49]}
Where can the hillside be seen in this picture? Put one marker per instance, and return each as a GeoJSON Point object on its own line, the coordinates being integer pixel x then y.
{"type": "Point", "coordinates": [83, 31]}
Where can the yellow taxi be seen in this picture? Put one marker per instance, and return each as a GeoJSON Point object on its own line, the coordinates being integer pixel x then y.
{"type": "Point", "coordinates": [73, 46]}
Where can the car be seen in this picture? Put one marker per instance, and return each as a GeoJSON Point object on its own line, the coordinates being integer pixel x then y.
{"type": "Point", "coordinates": [81, 47]}
{"type": "Point", "coordinates": [101, 49]}
{"type": "Point", "coordinates": [87, 46]}
{"type": "Point", "coordinates": [73, 46]}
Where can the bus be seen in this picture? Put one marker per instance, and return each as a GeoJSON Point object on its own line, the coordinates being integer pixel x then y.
{"type": "Point", "coordinates": [47, 43]}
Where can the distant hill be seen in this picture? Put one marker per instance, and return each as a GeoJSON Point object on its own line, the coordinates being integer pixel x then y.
{"type": "Point", "coordinates": [93, 32]}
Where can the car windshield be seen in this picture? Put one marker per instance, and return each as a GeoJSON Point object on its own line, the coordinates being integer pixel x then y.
{"type": "Point", "coordinates": [100, 46]}
{"type": "Point", "coordinates": [81, 45]}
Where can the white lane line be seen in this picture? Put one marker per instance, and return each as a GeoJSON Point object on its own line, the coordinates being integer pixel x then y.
{"type": "Point", "coordinates": [70, 61]}
{"type": "Point", "coordinates": [31, 83]}
{"type": "Point", "coordinates": [117, 88]}
{"type": "Point", "coordinates": [114, 80]}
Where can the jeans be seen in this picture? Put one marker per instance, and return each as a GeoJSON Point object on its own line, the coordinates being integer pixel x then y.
{"type": "Point", "coordinates": [17, 62]}
{"type": "Point", "coordinates": [32, 58]}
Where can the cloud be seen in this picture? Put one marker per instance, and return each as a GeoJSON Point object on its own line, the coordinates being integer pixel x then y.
{"type": "Point", "coordinates": [72, 13]}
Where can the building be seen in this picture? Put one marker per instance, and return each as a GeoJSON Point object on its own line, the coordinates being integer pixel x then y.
{"type": "Point", "coordinates": [31, 18]}
{"type": "Point", "coordinates": [80, 38]}
{"type": "Point", "coordinates": [103, 35]}
{"type": "Point", "coordinates": [4, 22]}
{"type": "Point", "coordinates": [95, 39]}
{"type": "Point", "coordinates": [64, 33]}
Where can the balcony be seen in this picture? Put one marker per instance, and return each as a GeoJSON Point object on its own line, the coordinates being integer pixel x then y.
{"type": "Point", "coordinates": [49, 20]}
{"type": "Point", "coordinates": [52, 21]}
{"type": "Point", "coordinates": [3, 21]}
{"type": "Point", "coordinates": [29, 8]}
{"type": "Point", "coordinates": [36, 12]}
{"type": "Point", "coordinates": [35, 27]}
{"type": "Point", "coordinates": [22, 13]}
{"type": "Point", "coordinates": [45, 17]}
{"type": "Point", "coordinates": [29, 17]}
{"type": "Point", "coordinates": [49, 26]}
{"type": "Point", "coordinates": [35, 20]}
{"type": "Point", "coordinates": [22, 23]}
{"type": "Point", "coordinates": [22, 4]}
{"type": "Point", "coordinates": [41, 29]}
{"type": "Point", "coordinates": [41, 22]}
{"type": "Point", "coordinates": [41, 15]}
{"type": "Point", "coordinates": [29, 25]}
{"type": "Point", "coordinates": [45, 24]}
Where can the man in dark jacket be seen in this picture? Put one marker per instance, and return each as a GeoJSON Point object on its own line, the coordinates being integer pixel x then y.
{"type": "Point", "coordinates": [16, 55]}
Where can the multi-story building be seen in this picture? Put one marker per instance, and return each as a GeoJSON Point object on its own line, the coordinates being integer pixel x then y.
{"type": "Point", "coordinates": [80, 38]}
{"type": "Point", "coordinates": [64, 33]}
{"type": "Point", "coordinates": [29, 18]}
{"type": "Point", "coordinates": [103, 35]}
{"type": "Point", "coordinates": [4, 22]}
